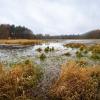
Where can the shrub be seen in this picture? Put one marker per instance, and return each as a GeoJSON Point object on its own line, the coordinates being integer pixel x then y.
{"type": "Point", "coordinates": [95, 56]}
{"type": "Point", "coordinates": [95, 49]}
{"type": "Point", "coordinates": [52, 49]}
{"type": "Point", "coordinates": [77, 83]}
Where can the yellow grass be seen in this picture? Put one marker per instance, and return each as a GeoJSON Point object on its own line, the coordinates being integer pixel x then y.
{"type": "Point", "coordinates": [21, 42]}
{"type": "Point", "coordinates": [77, 83]}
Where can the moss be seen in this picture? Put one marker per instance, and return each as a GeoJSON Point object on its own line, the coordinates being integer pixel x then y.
{"type": "Point", "coordinates": [67, 54]}
{"type": "Point", "coordinates": [95, 56]}
{"type": "Point", "coordinates": [21, 42]}
{"type": "Point", "coordinates": [79, 54]}
{"type": "Point", "coordinates": [75, 45]}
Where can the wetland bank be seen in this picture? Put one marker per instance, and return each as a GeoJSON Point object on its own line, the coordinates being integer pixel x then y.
{"type": "Point", "coordinates": [35, 69]}
{"type": "Point", "coordinates": [49, 50]}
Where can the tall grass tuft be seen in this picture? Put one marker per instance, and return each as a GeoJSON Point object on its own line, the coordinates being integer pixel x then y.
{"type": "Point", "coordinates": [77, 83]}
{"type": "Point", "coordinates": [19, 82]}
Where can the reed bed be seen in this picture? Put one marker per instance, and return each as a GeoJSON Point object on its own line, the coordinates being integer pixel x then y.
{"type": "Point", "coordinates": [21, 42]}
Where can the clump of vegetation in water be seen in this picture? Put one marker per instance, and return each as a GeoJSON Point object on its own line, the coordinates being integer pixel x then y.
{"type": "Point", "coordinates": [81, 62]}
{"type": "Point", "coordinates": [39, 49]}
{"type": "Point", "coordinates": [75, 45]}
{"type": "Point", "coordinates": [77, 83]}
{"type": "Point", "coordinates": [19, 82]}
{"type": "Point", "coordinates": [79, 54]}
{"type": "Point", "coordinates": [95, 50]}
{"type": "Point", "coordinates": [48, 49]}
{"type": "Point", "coordinates": [67, 54]}
{"type": "Point", "coordinates": [42, 56]}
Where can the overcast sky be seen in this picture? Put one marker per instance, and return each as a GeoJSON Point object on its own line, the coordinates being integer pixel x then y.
{"type": "Point", "coordinates": [53, 17]}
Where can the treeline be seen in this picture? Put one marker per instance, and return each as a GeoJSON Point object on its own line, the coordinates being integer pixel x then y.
{"type": "Point", "coordinates": [95, 34]}
{"type": "Point", "coordinates": [18, 32]}
{"type": "Point", "coordinates": [15, 32]}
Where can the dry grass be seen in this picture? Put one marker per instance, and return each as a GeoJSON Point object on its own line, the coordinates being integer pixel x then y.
{"type": "Point", "coordinates": [19, 81]}
{"type": "Point", "coordinates": [75, 45]}
{"type": "Point", "coordinates": [95, 49]}
{"type": "Point", "coordinates": [21, 42]}
{"type": "Point", "coordinates": [77, 83]}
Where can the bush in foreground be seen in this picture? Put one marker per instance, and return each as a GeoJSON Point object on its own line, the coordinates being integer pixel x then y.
{"type": "Point", "coordinates": [77, 83]}
{"type": "Point", "coordinates": [19, 81]}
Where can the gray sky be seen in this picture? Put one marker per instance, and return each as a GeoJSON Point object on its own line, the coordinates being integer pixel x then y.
{"type": "Point", "coordinates": [53, 17]}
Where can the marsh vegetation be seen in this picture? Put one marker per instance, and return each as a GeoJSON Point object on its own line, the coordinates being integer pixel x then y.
{"type": "Point", "coordinates": [20, 42]}
{"type": "Point", "coordinates": [58, 70]}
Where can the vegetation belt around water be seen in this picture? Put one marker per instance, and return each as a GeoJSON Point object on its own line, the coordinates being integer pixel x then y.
{"type": "Point", "coordinates": [21, 42]}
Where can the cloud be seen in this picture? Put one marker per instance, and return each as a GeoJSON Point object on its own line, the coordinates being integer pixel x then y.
{"type": "Point", "coordinates": [52, 16]}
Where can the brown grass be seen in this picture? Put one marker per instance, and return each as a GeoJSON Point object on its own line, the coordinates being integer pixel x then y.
{"type": "Point", "coordinates": [21, 42]}
{"type": "Point", "coordinates": [95, 49]}
{"type": "Point", "coordinates": [75, 45]}
{"type": "Point", "coordinates": [18, 82]}
{"type": "Point", "coordinates": [77, 83]}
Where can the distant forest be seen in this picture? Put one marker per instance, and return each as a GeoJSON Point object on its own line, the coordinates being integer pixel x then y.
{"type": "Point", "coordinates": [18, 32]}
